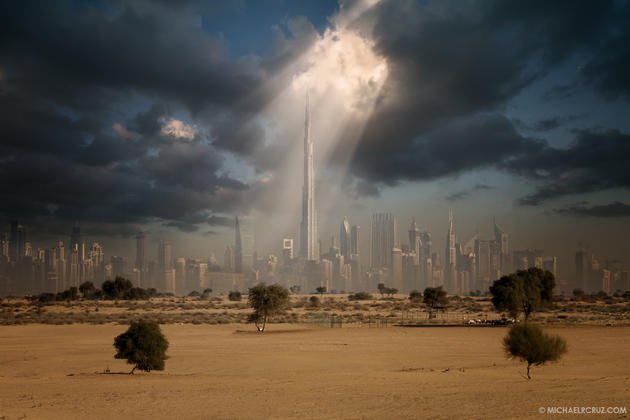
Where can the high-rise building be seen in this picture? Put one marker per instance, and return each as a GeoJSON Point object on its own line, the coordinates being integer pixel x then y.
{"type": "Point", "coordinates": [450, 257]}
{"type": "Point", "coordinates": [383, 239]}
{"type": "Point", "coordinates": [415, 242]}
{"type": "Point", "coordinates": [287, 250]}
{"type": "Point", "coordinates": [118, 266]}
{"type": "Point", "coordinates": [345, 245]}
{"type": "Point", "coordinates": [228, 259]}
{"type": "Point", "coordinates": [180, 276]}
{"type": "Point", "coordinates": [4, 248]}
{"type": "Point", "coordinates": [354, 239]}
{"type": "Point", "coordinates": [502, 248]}
{"type": "Point", "coordinates": [238, 248]}
{"type": "Point", "coordinates": [97, 265]}
{"type": "Point", "coordinates": [75, 236]}
{"type": "Point", "coordinates": [583, 268]}
{"type": "Point", "coordinates": [17, 241]}
{"type": "Point", "coordinates": [397, 269]}
{"type": "Point", "coordinates": [140, 263]}
{"type": "Point", "coordinates": [309, 249]}
{"type": "Point", "coordinates": [551, 264]}
{"type": "Point", "coordinates": [164, 266]}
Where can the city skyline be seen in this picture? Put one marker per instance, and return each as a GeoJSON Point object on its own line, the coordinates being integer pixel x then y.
{"type": "Point", "coordinates": [466, 266]}
{"type": "Point", "coordinates": [107, 132]}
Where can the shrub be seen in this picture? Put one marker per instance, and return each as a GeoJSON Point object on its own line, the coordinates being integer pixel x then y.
{"type": "Point", "coordinates": [87, 289]}
{"type": "Point", "coordinates": [530, 344]}
{"type": "Point", "coordinates": [415, 296]}
{"type": "Point", "coordinates": [314, 301]}
{"type": "Point", "coordinates": [143, 345]}
{"type": "Point", "coordinates": [360, 296]}
{"type": "Point", "coordinates": [235, 296]}
{"type": "Point", "coordinates": [116, 289]}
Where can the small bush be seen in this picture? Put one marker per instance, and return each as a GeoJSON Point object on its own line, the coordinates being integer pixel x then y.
{"type": "Point", "coordinates": [530, 344]}
{"type": "Point", "coordinates": [360, 296]}
{"type": "Point", "coordinates": [235, 296]}
{"type": "Point", "coordinates": [314, 301]}
{"type": "Point", "coordinates": [415, 296]}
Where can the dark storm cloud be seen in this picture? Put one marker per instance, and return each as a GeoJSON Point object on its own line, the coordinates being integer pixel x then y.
{"type": "Point", "coordinates": [453, 60]}
{"type": "Point", "coordinates": [463, 145]}
{"type": "Point", "coordinates": [465, 194]}
{"type": "Point", "coordinates": [595, 161]}
{"type": "Point", "coordinates": [85, 89]}
{"type": "Point", "coordinates": [82, 56]}
{"type": "Point", "coordinates": [611, 210]}
{"type": "Point", "coordinates": [609, 69]}
{"type": "Point", "coordinates": [547, 124]}
{"type": "Point", "coordinates": [215, 220]}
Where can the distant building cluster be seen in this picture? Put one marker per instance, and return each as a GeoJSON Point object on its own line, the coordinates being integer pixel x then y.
{"type": "Point", "coordinates": [26, 271]}
{"type": "Point", "coordinates": [592, 276]}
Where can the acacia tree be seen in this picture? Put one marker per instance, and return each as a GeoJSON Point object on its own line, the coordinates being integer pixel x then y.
{"type": "Point", "coordinates": [116, 289]}
{"type": "Point", "coordinates": [530, 344]}
{"type": "Point", "coordinates": [87, 289]}
{"type": "Point", "coordinates": [266, 301]}
{"type": "Point", "coordinates": [143, 345]}
{"type": "Point", "coordinates": [524, 291]}
{"type": "Point", "coordinates": [434, 297]}
{"type": "Point", "coordinates": [415, 296]}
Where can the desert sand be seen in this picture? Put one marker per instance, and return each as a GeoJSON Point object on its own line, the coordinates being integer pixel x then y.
{"type": "Point", "coordinates": [292, 371]}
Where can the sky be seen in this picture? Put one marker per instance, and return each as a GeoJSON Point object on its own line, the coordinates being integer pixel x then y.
{"type": "Point", "coordinates": [173, 117]}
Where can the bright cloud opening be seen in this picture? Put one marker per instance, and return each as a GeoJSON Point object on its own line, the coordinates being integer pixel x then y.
{"type": "Point", "coordinates": [343, 64]}
{"type": "Point", "coordinates": [177, 129]}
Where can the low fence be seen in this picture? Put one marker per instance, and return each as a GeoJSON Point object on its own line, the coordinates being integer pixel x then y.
{"type": "Point", "coordinates": [339, 321]}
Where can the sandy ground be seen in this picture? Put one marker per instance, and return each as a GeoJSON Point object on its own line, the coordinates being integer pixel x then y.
{"type": "Point", "coordinates": [227, 371]}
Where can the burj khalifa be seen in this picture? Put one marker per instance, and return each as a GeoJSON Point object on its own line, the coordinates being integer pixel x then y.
{"type": "Point", "coordinates": [309, 246]}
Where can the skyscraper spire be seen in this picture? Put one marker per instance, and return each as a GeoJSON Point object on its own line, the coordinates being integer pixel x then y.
{"type": "Point", "coordinates": [344, 238]}
{"type": "Point", "coordinates": [450, 257]}
{"type": "Point", "coordinates": [308, 227]}
{"type": "Point", "coordinates": [238, 250]}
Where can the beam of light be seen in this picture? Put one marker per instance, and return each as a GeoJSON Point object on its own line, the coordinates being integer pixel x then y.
{"type": "Point", "coordinates": [344, 77]}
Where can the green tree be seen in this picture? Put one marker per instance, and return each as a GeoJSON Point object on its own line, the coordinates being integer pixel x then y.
{"type": "Point", "coordinates": [434, 297]}
{"type": "Point", "coordinates": [142, 345]}
{"type": "Point", "coordinates": [528, 343]}
{"type": "Point", "coordinates": [524, 291]}
{"type": "Point", "coordinates": [381, 288]}
{"type": "Point", "coordinates": [267, 301]}
{"type": "Point", "coordinates": [321, 290]}
{"type": "Point", "coordinates": [87, 289]}
{"type": "Point", "coordinates": [116, 289]}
